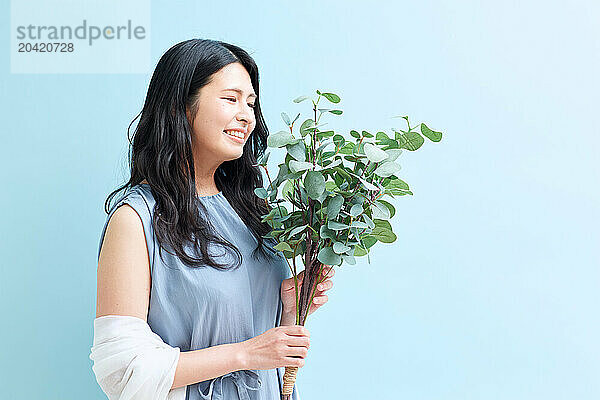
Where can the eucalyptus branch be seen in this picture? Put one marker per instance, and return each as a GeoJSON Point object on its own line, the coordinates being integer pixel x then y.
{"type": "Point", "coordinates": [270, 187]}
{"type": "Point", "coordinates": [314, 290]}
{"type": "Point", "coordinates": [331, 191]}
{"type": "Point", "coordinates": [296, 285]}
{"type": "Point", "coordinates": [297, 186]}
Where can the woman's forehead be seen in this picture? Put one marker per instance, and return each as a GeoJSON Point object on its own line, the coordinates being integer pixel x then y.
{"type": "Point", "coordinates": [233, 76]}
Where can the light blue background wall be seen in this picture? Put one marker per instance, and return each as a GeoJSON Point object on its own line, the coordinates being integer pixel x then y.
{"type": "Point", "coordinates": [491, 290]}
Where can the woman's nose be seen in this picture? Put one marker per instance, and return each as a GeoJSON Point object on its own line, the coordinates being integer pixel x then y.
{"type": "Point", "coordinates": [245, 117]}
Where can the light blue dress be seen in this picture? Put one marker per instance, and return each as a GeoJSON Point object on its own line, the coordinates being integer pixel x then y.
{"type": "Point", "coordinates": [195, 308]}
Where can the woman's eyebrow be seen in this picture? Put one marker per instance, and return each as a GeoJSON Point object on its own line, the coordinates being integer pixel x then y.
{"type": "Point", "coordinates": [240, 91]}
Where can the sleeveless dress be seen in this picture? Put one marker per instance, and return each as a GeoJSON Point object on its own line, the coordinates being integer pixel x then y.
{"type": "Point", "coordinates": [195, 308]}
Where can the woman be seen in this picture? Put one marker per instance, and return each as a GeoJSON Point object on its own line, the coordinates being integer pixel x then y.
{"type": "Point", "coordinates": [183, 248]}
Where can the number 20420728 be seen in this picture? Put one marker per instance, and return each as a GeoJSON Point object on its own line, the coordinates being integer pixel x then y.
{"type": "Point", "coordinates": [56, 47]}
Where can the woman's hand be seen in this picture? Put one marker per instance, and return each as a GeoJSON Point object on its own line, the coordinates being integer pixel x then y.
{"type": "Point", "coordinates": [288, 292]}
{"type": "Point", "coordinates": [282, 346]}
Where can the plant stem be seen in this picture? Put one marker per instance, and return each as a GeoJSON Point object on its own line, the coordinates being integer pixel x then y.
{"type": "Point", "coordinates": [270, 187]}
{"type": "Point", "coordinates": [296, 285]}
{"type": "Point", "coordinates": [347, 236]}
{"type": "Point", "coordinates": [297, 186]}
{"type": "Point", "coordinates": [314, 139]}
{"type": "Point", "coordinates": [314, 290]}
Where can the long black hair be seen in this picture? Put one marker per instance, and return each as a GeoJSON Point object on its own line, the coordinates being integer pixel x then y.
{"type": "Point", "coordinates": [161, 153]}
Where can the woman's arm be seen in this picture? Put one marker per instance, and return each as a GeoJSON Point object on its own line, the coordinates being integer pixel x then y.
{"type": "Point", "coordinates": [200, 365]}
{"type": "Point", "coordinates": [124, 283]}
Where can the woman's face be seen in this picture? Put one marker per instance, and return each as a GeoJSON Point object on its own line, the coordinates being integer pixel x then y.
{"type": "Point", "coordinates": [219, 109]}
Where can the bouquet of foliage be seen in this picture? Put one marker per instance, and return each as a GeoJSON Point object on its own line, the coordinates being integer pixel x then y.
{"type": "Point", "coordinates": [330, 208]}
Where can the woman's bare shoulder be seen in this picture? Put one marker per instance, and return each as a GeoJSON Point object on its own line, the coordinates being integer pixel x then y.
{"type": "Point", "coordinates": [123, 267]}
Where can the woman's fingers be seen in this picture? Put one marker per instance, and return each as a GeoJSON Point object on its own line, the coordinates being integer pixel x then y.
{"type": "Point", "coordinates": [299, 341]}
{"type": "Point", "coordinates": [328, 271]}
{"type": "Point", "coordinates": [323, 286]}
{"type": "Point", "coordinates": [320, 300]}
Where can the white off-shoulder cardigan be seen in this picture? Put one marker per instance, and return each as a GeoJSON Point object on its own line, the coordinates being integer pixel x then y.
{"type": "Point", "coordinates": [133, 363]}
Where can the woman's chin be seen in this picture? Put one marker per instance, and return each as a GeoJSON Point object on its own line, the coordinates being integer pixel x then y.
{"type": "Point", "coordinates": [232, 149]}
{"type": "Point", "coordinates": [233, 154]}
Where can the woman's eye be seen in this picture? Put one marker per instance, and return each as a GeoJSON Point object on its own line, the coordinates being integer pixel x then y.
{"type": "Point", "coordinates": [233, 99]}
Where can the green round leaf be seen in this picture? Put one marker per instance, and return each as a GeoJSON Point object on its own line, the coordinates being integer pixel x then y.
{"type": "Point", "coordinates": [279, 139]}
{"type": "Point", "coordinates": [297, 150]}
{"type": "Point", "coordinates": [339, 141]}
{"type": "Point", "coordinates": [380, 210]}
{"type": "Point", "coordinates": [374, 153]}
{"type": "Point", "coordinates": [322, 197]}
{"type": "Point", "coordinates": [331, 164]}
{"type": "Point", "coordinates": [382, 223]}
{"type": "Point", "coordinates": [334, 206]}
{"type": "Point", "coordinates": [288, 188]}
{"type": "Point", "coordinates": [330, 185]}
{"type": "Point", "coordinates": [382, 136]}
{"type": "Point", "coordinates": [283, 246]}
{"type": "Point", "coordinates": [328, 257]}
{"type": "Point", "coordinates": [368, 221]}
{"type": "Point", "coordinates": [325, 143]}
{"type": "Point", "coordinates": [368, 241]}
{"type": "Point", "coordinates": [412, 141]}
{"type": "Point", "coordinates": [339, 248]}
{"type": "Point", "coordinates": [397, 184]}
{"type": "Point", "coordinates": [324, 134]}
{"type": "Point", "coordinates": [261, 192]}
{"type": "Point", "coordinates": [306, 126]}
{"type": "Point", "coordinates": [384, 235]}
{"type": "Point", "coordinates": [393, 154]}
{"type": "Point", "coordinates": [368, 185]}
{"type": "Point", "coordinates": [336, 226]}
{"type": "Point", "coordinates": [314, 182]}
{"type": "Point", "coordinates": [359, 224]}
{"type": "Point", "coordinates": [299, 99]}
{"type": "Point", "coordinates": [431, 135]}
{"type": "Point", "coordinates": [356, 210]}
{"type": "Point", "coordinates": [387, 169]}
{"type": "Point", "coordinates": [326, 233]}
{"type": "Point", "coordinates": [297, 166]}
{"type": "Point", "coordinates": [332, 97]}
{"type": "Point", "coordinates": [359, 251]}
{"type": "Point", "coordinates": [297, 230]}
{"type": "Point", "coordinates": [389, 206]}
{"type": "Point", "coordinates": [347, 148]}
{"type": "Point", "coordinates": [349, 259]}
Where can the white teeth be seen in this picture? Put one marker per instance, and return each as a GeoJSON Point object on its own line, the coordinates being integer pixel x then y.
{"type": "Point", "coordinates": [235, 133]}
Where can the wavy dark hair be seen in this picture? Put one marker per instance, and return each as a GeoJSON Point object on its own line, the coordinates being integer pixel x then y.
{"type": "Point", "coordinates": [161, 152]}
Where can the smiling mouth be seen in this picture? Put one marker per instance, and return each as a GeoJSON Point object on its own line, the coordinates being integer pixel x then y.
{"type": "Point", "coordinates": [237, 139]}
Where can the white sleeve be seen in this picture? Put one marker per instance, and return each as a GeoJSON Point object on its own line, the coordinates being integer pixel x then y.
{"type": "Point", "coordinates": [131, 362]}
